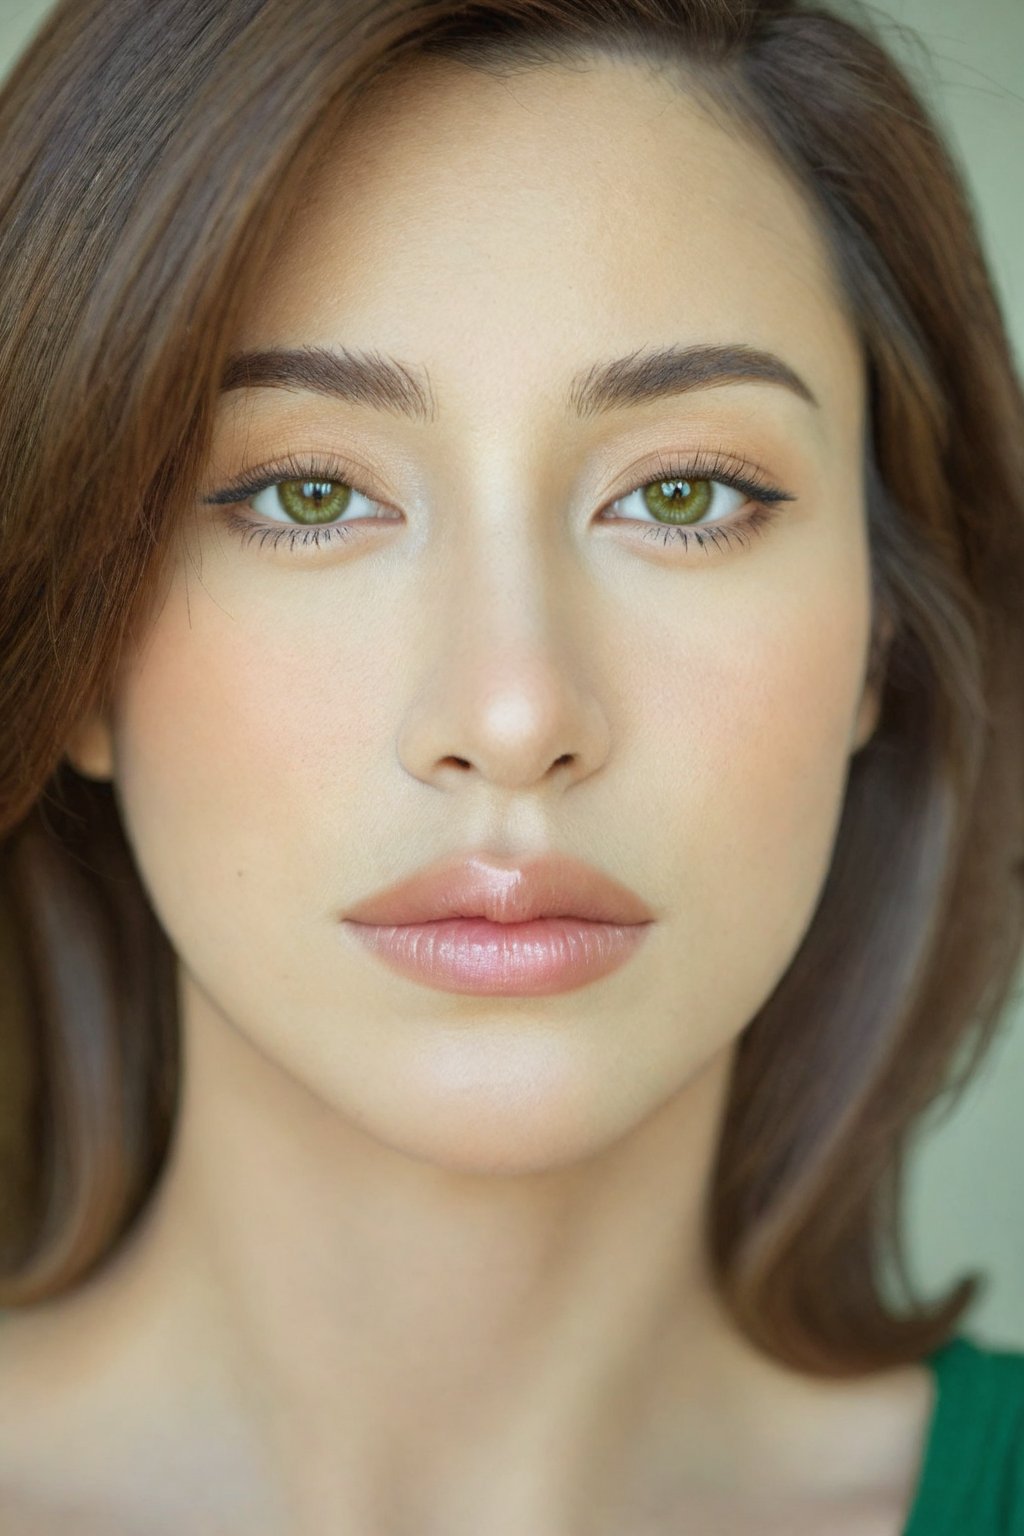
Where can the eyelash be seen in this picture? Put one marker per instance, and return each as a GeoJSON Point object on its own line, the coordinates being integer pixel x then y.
{"type": "Point", "coordinates": [713, 467]}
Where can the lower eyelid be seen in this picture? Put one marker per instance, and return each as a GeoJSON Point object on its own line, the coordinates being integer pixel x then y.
{"type": "Point", "coordinates": [705, 536]}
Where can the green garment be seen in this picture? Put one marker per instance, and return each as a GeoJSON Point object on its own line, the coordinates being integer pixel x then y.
{"type": "Point", "coordinates": [972, 1475]}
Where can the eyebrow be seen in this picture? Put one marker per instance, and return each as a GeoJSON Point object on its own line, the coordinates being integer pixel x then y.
{"type": "Point", "coordinates": [385, 384]}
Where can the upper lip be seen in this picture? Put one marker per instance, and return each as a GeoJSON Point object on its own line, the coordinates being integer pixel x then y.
{"type": "Point", "coordinates": [550, 885]}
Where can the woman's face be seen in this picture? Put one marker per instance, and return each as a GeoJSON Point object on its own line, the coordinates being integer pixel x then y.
{"type": "Point", "coordinates": [302, 726]}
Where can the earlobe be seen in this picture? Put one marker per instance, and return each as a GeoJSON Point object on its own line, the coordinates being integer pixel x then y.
{"type": "Point", "coordinates": [871, 699]}
{"type": "Point", "coordinates": [90, 750]}
{"type": "Point", "coordinates": [867, 719]}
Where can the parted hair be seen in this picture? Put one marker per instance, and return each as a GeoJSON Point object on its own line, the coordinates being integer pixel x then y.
{"type": "Point", "coordinates": [152, 155]}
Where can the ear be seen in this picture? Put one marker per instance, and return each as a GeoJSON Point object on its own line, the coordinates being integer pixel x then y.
{"type": "Point", "coordinates": [867, 719]}
{"type": "Point", "coordinates": [871, 699]}
{"type": "Point", "coordinates": [91, 749]}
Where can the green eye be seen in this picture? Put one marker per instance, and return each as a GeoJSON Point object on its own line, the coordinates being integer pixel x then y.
{"type": "Point", "coordinates": [313, 501]}
{"type": "Point", "coordinates": [678, 501]}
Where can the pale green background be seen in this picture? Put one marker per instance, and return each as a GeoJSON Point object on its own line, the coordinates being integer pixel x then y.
{"type": "Point", "coordinates": [966, 1189]}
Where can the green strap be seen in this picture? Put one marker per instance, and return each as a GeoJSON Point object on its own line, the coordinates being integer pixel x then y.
{"type": "Point", "coordinates": [971, 1443]}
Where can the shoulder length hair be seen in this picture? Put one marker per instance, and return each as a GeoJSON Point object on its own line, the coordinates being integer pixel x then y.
{"type": "Point", "coordinates": [152, 155]}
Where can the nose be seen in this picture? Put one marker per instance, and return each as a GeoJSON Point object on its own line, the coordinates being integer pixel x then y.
{"type": "Point", "coordinates": [511, 690]}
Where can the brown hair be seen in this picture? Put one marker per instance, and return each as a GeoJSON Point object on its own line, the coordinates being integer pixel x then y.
{"type": "Point", "coordinates": [151, 156]}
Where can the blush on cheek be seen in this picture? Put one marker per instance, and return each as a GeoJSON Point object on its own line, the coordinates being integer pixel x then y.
{"type": "Point", "coordinates": [187, 766]}
{"type": "Point", "coordinates": [761, 756]}
{"type": "Point", "coordinates": [229, 736]}
{"type": "Point", "coordinates": [792, 740]}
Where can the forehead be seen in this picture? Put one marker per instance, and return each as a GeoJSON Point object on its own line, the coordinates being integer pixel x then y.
{"type": "Point", "coordinates": [494, 230]}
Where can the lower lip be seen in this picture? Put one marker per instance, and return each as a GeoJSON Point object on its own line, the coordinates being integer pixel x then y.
{"type": "Point", "coordinates": [470, 954]}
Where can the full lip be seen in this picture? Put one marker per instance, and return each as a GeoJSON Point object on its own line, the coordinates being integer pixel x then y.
{"type": "Point", "coordinates": [480, 885]}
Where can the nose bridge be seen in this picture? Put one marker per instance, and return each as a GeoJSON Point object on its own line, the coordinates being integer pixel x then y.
{"type": "Point", "coordinates": [504, 550]}
{"type": "Point", "coordinates": [504, 484]}
{"type": "Point", "coordinates": [501, 501]}
{"type": "Point", "coordinates": [503, 561]}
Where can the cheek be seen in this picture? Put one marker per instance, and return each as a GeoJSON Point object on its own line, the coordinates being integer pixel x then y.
{"type": "Point", "coordinates": [752, 755]}
{"type": "Point", "coordinates": [240, 752]}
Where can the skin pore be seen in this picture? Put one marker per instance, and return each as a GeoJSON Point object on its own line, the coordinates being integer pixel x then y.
{"type": "Point", "coordinates": [428, 1263]}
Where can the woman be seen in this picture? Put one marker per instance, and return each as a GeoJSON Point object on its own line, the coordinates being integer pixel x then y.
{"type": "Point", "coordinates": [567, 457]}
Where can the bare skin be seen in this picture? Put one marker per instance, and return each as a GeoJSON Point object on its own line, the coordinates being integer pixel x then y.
{"type": "Point", "coordinates": [423, 1263]}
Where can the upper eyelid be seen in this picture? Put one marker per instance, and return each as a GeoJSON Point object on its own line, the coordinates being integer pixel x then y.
{"type": "Point", "coordinates": [714, 462]}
